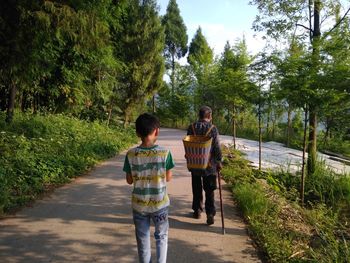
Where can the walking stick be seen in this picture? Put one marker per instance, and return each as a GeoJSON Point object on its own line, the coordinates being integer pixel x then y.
{"type": "Point", "coordinates": [221, 206]}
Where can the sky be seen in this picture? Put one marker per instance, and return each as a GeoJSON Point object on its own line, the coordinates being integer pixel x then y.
{"type": "Point", "coordinates": [220, 20]}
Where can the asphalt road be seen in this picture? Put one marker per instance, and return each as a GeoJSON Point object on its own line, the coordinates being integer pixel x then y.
{"type": "Point", "coordinates": [89, 220]}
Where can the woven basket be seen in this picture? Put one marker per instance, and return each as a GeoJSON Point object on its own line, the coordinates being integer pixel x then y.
{"type": "Point", "coordinates": [197, 150]}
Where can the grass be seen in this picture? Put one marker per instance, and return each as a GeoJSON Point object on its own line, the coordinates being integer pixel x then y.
{"type": "Point", "coordinates": [284, 231]}
{"type": "Point", "coordinates": [39, 153]}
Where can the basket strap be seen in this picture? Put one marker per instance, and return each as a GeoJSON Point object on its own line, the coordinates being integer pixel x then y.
{"type": "Point", "coordinates": [194, 132]}
{"type": "Point", "coordinates": [211, 127]}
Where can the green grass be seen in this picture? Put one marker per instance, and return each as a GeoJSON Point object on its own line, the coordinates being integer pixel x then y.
{"type": "Point", "coordinates": [284, 231]}
{"type": "Point", "coordinates": [39, 152]}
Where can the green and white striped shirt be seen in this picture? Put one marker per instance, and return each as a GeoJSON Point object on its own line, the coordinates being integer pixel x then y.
{"type": "Point", "coordinates": [148, 168]}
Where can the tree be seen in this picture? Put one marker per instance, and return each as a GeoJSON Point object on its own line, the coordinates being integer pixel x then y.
{"type": "Point", "coordinates": [200, 54]}
{"type": "Point", "coordinates": [176, 104]}
{"type": "Point", "coordinates": [336, 72]}
{"type": "Point", "coordinates": [281, 18]}
{"type": "Point", "coordinates": [141, 43]}
{"type": "Point", "coordinates": [67, 62]}
{"type": "Point", "coordinates": [15, 46]}
{"type": "Point", "coordinates": [233, 75]}
{"type": "Point", "coordinates": [200, 58]}
{"type": "Point", "coordinates": [175, 37]}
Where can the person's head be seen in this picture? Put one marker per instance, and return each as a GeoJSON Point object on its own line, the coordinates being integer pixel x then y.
{"type": "Point", "coordinates": [205, 113]}
{"type": "Point", "coordinates": [147, 125]}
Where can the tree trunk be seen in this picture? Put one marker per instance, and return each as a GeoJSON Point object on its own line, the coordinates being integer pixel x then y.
{"type": "Point", "coordinates": [268, 125]}
{"type": "Point", "coordinates": [260, 136]}
{"type": "Point", "coordinates": [11, 103]}
{"type": "Point", "coordinates": [273, 127]}
{"type": "Point", "coordinates": [311, 162]}
{"type": "Point", "coordinates": [173, 73]}
{"type": "Point", "coordinates": [302, 186]}
{"type": "Point", "coordinates": [35, 103]}
{"type": "Point", "coordinates": [154, 104]}
{"type": "Point", "coordinates": [126, 117]}
{"type": "Point", "coordinates": [23, 101]}
{"type": "Point", "coordinates": [109, 114]}
{"type": "Point", "coordinates": [234, 126]}
{"type": "Point", "coordinates": [289, 126]}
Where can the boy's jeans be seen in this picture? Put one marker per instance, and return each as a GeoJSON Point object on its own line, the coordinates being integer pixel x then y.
{"type": "Point", "coordinates": [142, 230]}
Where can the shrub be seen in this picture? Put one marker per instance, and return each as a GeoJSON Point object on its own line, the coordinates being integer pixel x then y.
{"type": "Point", "coordinates": [40, 152]}
{"type": "Point", "coordinates": [283, 230]}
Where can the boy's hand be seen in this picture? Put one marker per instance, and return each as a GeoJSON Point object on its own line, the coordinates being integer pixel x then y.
{"type": "Point", "coordinates": [129, 179]}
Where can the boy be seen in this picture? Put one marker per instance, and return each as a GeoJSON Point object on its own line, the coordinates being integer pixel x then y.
{"type": "Point", "coordinates": [148, 167]}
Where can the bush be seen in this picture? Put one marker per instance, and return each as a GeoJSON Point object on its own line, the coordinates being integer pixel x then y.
{"type": "Point", "coordinates": [40, 152]}
{"type": "Point", "coordinates": [283, 230]}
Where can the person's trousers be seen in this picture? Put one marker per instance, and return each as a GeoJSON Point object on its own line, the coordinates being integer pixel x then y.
{"type": "Point", "coordinates": [142, 229]}
{"type": "Point", "coordinates": [207, 183]}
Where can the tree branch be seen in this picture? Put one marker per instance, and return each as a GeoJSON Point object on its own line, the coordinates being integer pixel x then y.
{"type": "Point", "coordinates": [309, 29]}
{"type": "Point", "coordinates": [339, 22]}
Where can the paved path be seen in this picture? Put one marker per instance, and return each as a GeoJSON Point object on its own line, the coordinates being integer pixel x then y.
{"type": "Point", "coordinates": [89, 220]}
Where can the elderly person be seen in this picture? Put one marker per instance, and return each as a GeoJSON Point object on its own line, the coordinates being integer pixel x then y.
{"type": "Point", "coordinates": [206, 179]}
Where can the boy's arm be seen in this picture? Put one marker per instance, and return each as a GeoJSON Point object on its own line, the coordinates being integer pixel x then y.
{"type": "Point", "coordinates": [169, 175]}
{"type": "Point", "coordinates": [127, 170]}
{"type": "Point", "coordinates": [169, 165]}
{"type": "Point", "coordinates": [129, 179]}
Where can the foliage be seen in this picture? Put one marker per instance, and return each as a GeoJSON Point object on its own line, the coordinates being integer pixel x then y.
{"type": "Point", "coordinates": [175, 103]}
{"type": "Point", "coordinates": [284, 231]}
{"type": "Point", "coordinates": [88, 58]}
{"type": "Point", "coordinates": [40, 152]}
{"type": "Point", "coordinates": [200, 54]}
{"type": "Point", "coordinates": [175, 34]}
{"type": "Point", "coordinates": [300, 22]}
{"type": "Point", "coordinates": [140, 50]}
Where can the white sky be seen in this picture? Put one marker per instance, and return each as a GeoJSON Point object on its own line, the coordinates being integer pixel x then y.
{"type": "Point", "coordinates": [220, 20]}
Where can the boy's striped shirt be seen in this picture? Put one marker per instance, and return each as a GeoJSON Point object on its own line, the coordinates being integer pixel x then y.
{"type": "Point", "coordinates": [148, 168]}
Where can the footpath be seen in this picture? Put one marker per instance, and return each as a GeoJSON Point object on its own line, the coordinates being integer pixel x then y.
{"type": "Point", "coordinates": [90, 220]}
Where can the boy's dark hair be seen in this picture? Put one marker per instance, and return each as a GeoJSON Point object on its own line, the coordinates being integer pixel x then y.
{"type": "Point", "coordinates": [145, 124]}
{"type": "Point", "coordinates": [204, 112]}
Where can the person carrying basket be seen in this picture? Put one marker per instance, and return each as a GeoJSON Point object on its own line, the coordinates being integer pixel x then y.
{"type": "Point", "coordinates": [204, 175]}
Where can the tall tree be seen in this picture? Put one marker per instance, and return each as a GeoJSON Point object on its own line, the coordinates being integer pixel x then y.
{"type": "Point", "coordinates": [200, 54]}
{"type": "Point", "coordinates": [200, 58]}
{"type": "Point", "coordinates": [175, 37]}
{"type": "Point", "coordinates": [281, 19]}
{"type": "Point", "coordinates": [141, 43]}
{"type": "Point", "coordinates": [233, 72]}
{"type": "Point", "coordinates": [15, 46]}
{"type": "Point", "coordinates": [66, 60]}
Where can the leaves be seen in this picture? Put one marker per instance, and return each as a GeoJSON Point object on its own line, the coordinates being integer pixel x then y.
{"type": "Point", "coordinates": [39, 152]}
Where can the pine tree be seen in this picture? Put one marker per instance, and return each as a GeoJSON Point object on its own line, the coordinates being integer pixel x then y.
{"type": "Point", "coordinates": [141, 43]}
{"type": "Point", "coordinates": [200, 54]}
{"type": "Point", "coordinates": [175, 37]}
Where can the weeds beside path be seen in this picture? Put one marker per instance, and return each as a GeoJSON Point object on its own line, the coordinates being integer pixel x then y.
{"type": "Point", "coordinates": [39, 153]}
{"type": "Point", "coordinates": [90, 220]}
{"type": "Point", "coordinates": [285, 231]}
